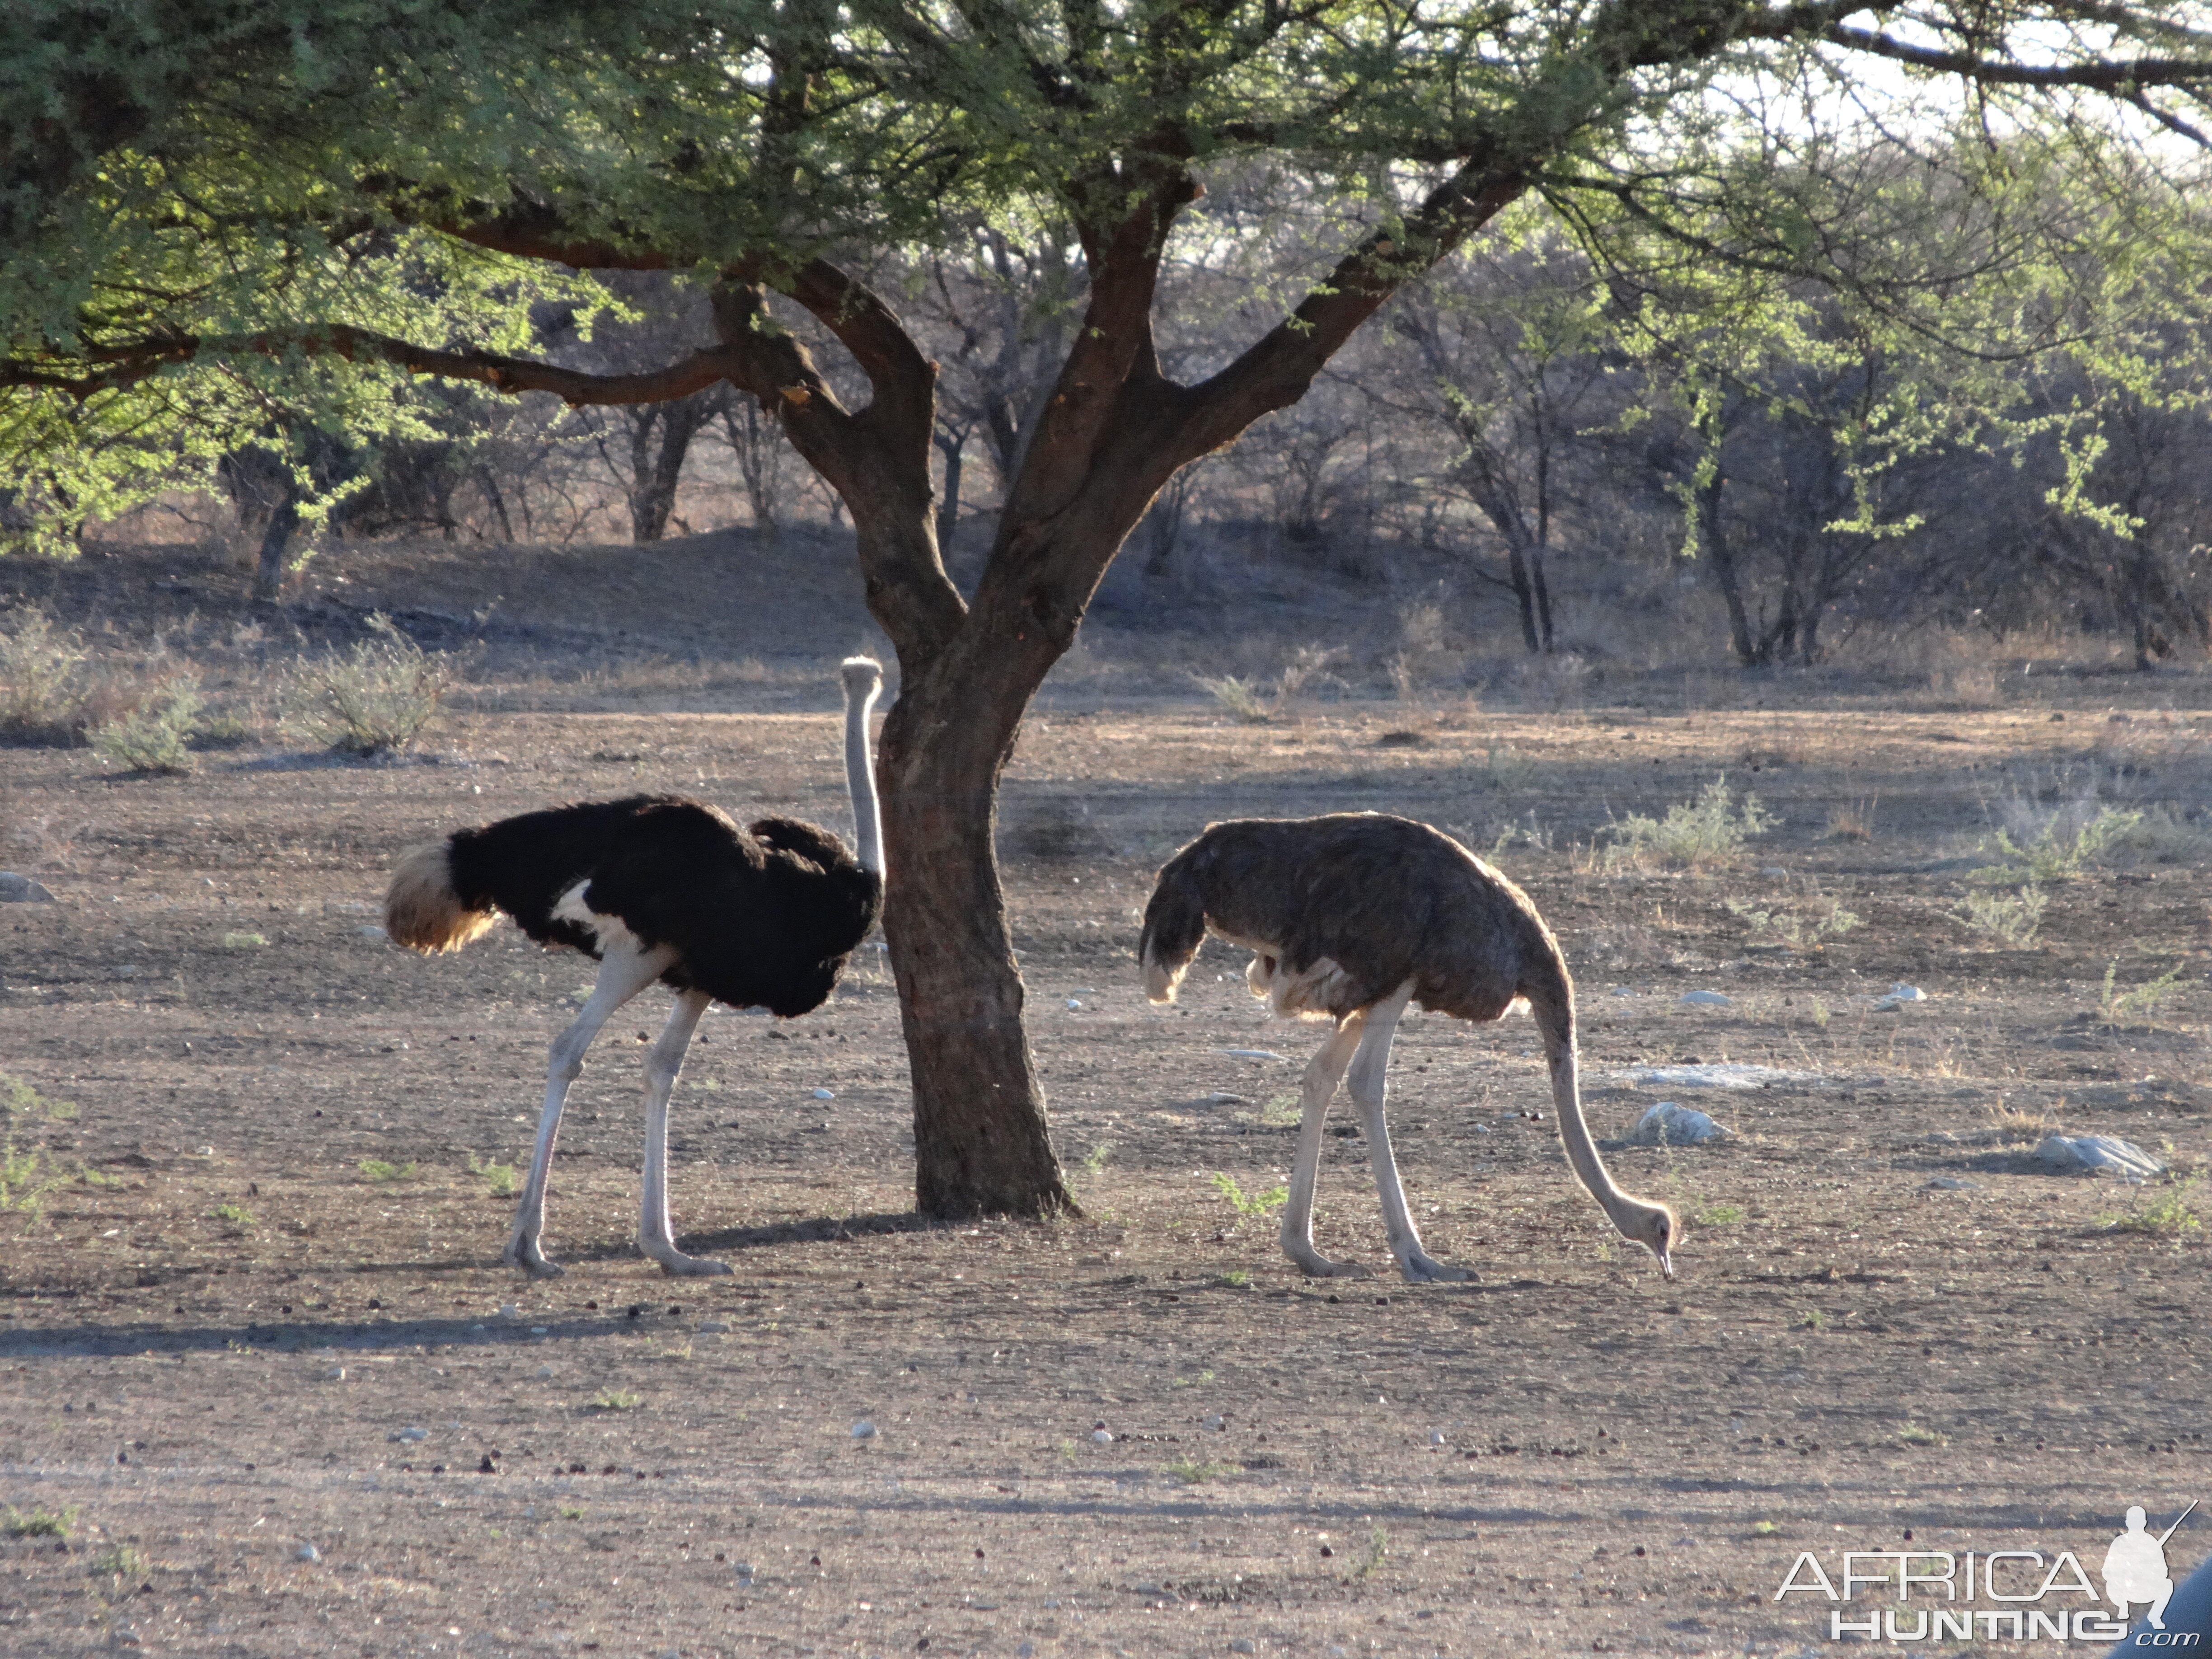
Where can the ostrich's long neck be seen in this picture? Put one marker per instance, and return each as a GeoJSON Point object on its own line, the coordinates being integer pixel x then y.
{"type": "Point", "coordinates": [1574, 1133]}
{"type": "Point", "coordinates": [1557, 1025]}
{"type": "Point", "coordinates": [860, 774]}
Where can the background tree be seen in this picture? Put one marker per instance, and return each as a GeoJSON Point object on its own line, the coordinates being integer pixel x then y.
{"type": "Point", "coordinates": [773, 148]}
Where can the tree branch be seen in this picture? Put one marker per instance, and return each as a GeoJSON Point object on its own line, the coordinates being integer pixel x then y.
{"type": "Point", "coordinates": [2121, 76]}
{"type": "Point", "coordinates": [107, 368]}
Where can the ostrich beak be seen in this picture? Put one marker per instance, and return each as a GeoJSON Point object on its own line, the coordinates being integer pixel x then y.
{"type": "Point", "coordinates": [1666, 1263]}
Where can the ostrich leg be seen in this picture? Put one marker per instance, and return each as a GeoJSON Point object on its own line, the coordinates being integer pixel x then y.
{"type": "Point", "coordinates": [654, 1236]}
{"type": "Point", "coordinates": [623, 972]}
{"type": "Point", "coordinates": [1367, 1085]}
{"type": "Point", "coordinates": [1324, 1071]}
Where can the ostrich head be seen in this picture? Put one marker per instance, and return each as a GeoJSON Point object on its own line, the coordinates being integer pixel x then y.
{"type": "Point", "coordinates": [1651, 1225]}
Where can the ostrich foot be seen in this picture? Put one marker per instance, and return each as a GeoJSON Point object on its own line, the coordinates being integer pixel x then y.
{"type": "Point", "coordinates": [1314, 1265]}
{"type": "Point", "coordinates": [677, 1265]}
{"type": "Point", "coordinates": [524, 1254]}
{"type": "Point", "coordinates": [1421, 1268]}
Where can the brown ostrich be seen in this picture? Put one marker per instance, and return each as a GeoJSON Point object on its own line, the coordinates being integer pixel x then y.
{"type": "Point", "coordinates": [1349, 918]}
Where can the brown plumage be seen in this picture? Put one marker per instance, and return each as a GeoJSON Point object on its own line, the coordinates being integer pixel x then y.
{"type": "Point", "coordinates": [1350, 917]}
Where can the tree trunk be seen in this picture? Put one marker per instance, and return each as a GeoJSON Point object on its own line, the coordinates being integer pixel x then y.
{"type": "Point", "coordinates": [1716, 543]}
{"type": "Point", "coordinates": [275, 538]}
{"type": "Point", "coordinates": [980, 1138]}
{"type": "Point", "coordinates": [654, 471]}
{"type": "Point", "coordinates": [953, 446]}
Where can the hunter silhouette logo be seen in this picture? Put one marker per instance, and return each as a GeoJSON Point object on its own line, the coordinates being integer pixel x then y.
{"type": "Point", "coordinates": [2135, 1566]}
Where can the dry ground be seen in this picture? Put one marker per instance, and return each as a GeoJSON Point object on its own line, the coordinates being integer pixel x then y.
{"type": "Point", "coordinates": [282, 1252]}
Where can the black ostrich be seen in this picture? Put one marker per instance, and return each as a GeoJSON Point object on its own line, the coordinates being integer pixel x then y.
{"type": "Point", "coordinates": [1349, 918]}
{"type": "Point", "coordinates": [657, 887]}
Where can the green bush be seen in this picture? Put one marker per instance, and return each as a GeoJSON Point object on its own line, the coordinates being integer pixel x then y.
{"type": "Point", "coordinates": [1707, 830]}
{"type": "Point", "coordinates": [2055, 853]}
{"type": "Point", "coordinates": [2012, 920]}
{"type": "Point", "coordinates": [156, 736]}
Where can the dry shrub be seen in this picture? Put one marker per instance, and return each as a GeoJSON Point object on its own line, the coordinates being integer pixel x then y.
{"type": "Point", "coordinates": [1553, 682]}
{"type": "Point", "coordinates": [1051, 829]}
{"type": "Point", "coordinates": [1852, 821]}
{"type": "Point", "coordinates": [41, 678]}
{"type": "Point", "coordinates": [156, 735]}
{"type": "Point", "coordinates": [376, 698]}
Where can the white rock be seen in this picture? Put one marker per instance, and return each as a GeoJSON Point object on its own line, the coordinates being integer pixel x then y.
{"type": "Point", "coordinates": [1897, 996]}
{"type": "Point", "coordinates": [335, 1374]}
{"type": "Point", "coordinates": [410, 1434]}
{"type": "Point", "coordinates": [309, 1552]}
{"type": "Point", "coordinates": [2099, 1155]}
{"type": "Point", "coordinates": [865, 1429]}
{"type": "Point", "coordinates": [824, 1094]}
{"type": "Point", "coordinates": [1722, 1074]}
{"type": "Point", "coordinates": [1249, 1054]}
{"type": "Point", "coordinates": [1706, 999]}
{"type": "Point", "coordinates": [1217, 1424]}
{"type": "Point", "coordinates": [1102, 1436]}
{"type": "Point", "coordinates": [1670, 1125]}
{"type": "Point", "coordinates": [541, 1330]}
{"type": "Point", "coordinates": [1436, 1438]}
{"type": "Point", "coordinates": [1075, 1002]}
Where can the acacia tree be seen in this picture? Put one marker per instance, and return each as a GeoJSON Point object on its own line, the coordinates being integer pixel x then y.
{"type": "Point", "coordinates": [773, 147]}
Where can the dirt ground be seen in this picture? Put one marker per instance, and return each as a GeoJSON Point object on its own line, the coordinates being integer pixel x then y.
{"type": "Point", "coordinates": [263, 1308]}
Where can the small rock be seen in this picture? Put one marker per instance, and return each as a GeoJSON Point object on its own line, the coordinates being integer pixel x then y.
{"type": "Point", "coordinates": [509, 1310]}
{"type": "Point", "coordinates": [335, 1374]}
{"type": "Point", "coordinates": [1025, 1650]}
{"type": "Point", "coordinates": [1668, 1124]}
{"type": "Point", "coordinates": [545, 1373]}
{"type": "Point", "coordinates": [125, 1637]}
{"type": "Point", "coordinates": [541, 1330]}
{"type": "Point", "coordinates": [370, 931]}
{"type": "Point", "coordinates": [1146, 1588]}
{"type": "Point", "coordinates": [715, 1327]}
{"type": "Point", "coordinates": [1706, 999]}
{"type": "Point", "coordinates": [22, 890]}
{"type": "Point", "coordinates": [1103, 1435]}
{"type": "Point", "coordinates": [1074, 1003]}
{"type": "Point", "coordinates": [1897, 996]}
{"type": "Point", "coordinates": [1952, 1183]}
{"type": "Point", "coordinates": [309, 1552]}
{"type": "Point", "coordinates": [1217, 1424]}
{"type": "Point", "coordinates": [865, 1429]}
{"type": "Point", "coordinates": [744, 1571]}
{"type": "Point", "coordinates": [410, 1434]}
{"type": "Point", "coordinates": [1244, 1645]}
{"type": "Point", "coordinates": [824, 1094]}
{"type": "Point", "coordinates": [1251, 1054]}
{"type": "Point", "coordinates": [2099, 1155]}
{"type": "Point", "coordinates": [1436, 1438]}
